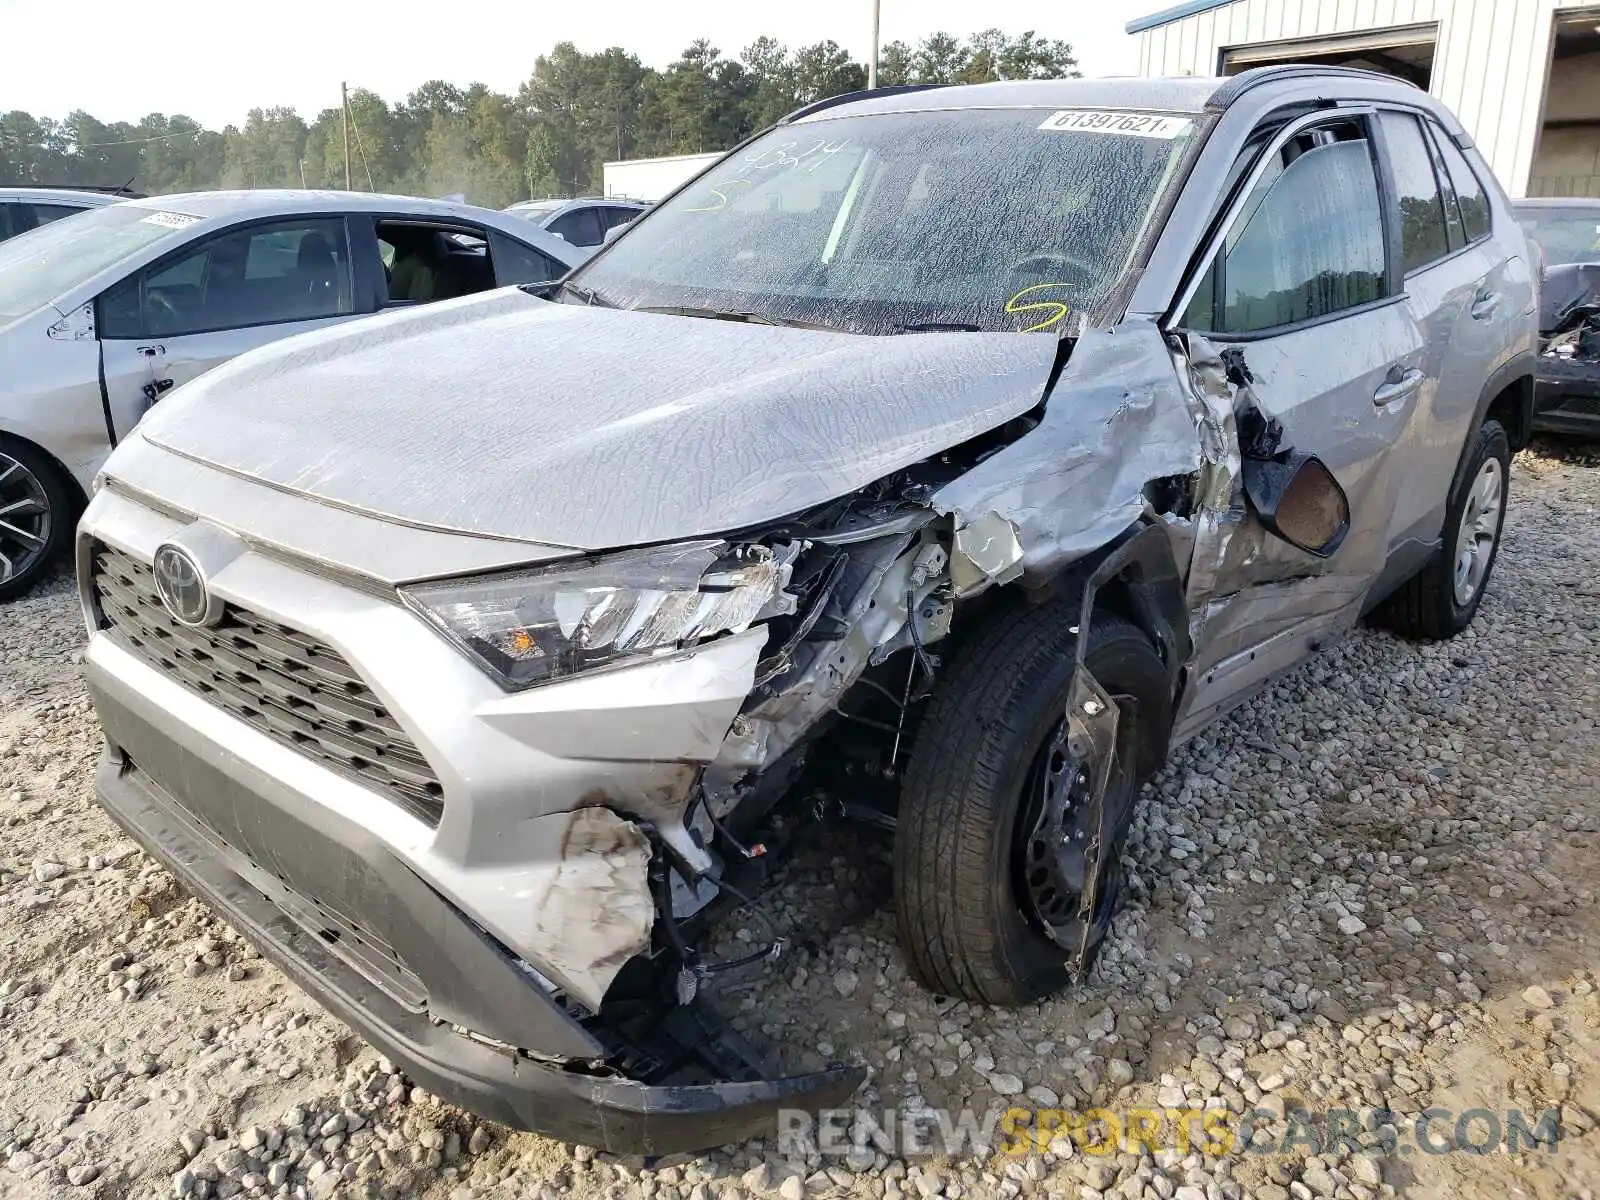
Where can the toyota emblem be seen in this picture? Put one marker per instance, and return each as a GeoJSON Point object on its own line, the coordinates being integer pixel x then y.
{"type": "Point", "coordinates": [182, 588]}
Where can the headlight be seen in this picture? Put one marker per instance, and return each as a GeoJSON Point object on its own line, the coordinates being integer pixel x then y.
{"type": "Point", "coordinates": [548, 623]}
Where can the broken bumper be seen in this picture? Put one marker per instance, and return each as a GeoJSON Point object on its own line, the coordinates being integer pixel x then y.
{"type": "Point", "coordinates": [565, 1099]}
{"type": "Point", "coordinates": [1567, 398]}
{"type": "Point", "coordinates": [477, 952]}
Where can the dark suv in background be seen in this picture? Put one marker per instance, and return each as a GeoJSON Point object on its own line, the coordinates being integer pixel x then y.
{"type": "Point", "coordinates": [1567, 233]}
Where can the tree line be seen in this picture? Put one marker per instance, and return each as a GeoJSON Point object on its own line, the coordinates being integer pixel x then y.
{"type": "Point", "coordinates": [576, 111]}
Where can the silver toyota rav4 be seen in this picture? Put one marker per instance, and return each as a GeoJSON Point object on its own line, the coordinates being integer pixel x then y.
{"type": "Point", "coordinates": [950, 453]}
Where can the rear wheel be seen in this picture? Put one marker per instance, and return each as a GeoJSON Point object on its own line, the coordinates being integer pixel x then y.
{"type": "Point", "coordinates": [1441, 599]}
{"type": "Point", "coordinates": [995, 810]}
{"type": "Point", "coordinates": [35, 516]}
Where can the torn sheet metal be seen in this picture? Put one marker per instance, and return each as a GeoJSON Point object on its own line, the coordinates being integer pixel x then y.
{"type": "Point", "coordinates": [1220, 505]}
{"type": "Point", "coordinates": [1090, 732]}
{"type": "Point", "coordinates": [987, 551]}
{"type": "Point", "coordinates": [662, 428]}
{"type": "Point", "coordinates": [873, 617]}
{"type": "Point", "coordinates": [594, 912]}
{"type": "Point", "coordinates": [1117, 420]}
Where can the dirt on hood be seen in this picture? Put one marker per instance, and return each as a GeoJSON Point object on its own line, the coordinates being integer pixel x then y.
{"type": "Point", "coordinates": [591, 428]}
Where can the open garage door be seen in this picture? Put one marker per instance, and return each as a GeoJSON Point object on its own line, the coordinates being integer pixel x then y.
{"type": "Point", "coordinates": [1568, 158]}
{"type": "Point", "coordinates": [1404, 50]}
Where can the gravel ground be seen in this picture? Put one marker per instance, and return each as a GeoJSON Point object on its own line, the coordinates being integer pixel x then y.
{"type": "Point", "coordinates": [1374, 886]}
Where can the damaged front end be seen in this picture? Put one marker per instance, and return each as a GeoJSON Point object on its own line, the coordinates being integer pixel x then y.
{"type": "Point", "coordinates": [614, 734]}
{"type": "Point", "coordinates": [1567, 398]}
{"type": "Point", "coordinates": [869, 593]}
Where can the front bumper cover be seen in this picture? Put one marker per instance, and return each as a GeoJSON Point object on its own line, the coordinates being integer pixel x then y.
{"type": "Point", "coordinates": [345, 918]}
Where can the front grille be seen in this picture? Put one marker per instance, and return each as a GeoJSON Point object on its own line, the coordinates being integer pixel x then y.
{"type": "Point", "coordinates": [282, 682]}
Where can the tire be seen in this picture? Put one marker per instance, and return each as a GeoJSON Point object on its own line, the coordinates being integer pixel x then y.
{"type": "Point", "coordinates": [958, 883]}
{"type": "Point", "coordinates": [31, 540]}
{"type": "Point", "coordinates": [1437, 602]}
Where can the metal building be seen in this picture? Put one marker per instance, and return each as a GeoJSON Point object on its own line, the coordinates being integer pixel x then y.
{"type": "Point", "coordinates": [1523, 75]}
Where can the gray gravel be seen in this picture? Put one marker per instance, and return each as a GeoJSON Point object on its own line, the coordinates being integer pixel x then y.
{"type": "Point", "coordinates": [1372, 886]}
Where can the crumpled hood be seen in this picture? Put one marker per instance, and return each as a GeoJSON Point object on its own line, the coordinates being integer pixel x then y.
{"type": "Point", "coordinates": [512, 417]}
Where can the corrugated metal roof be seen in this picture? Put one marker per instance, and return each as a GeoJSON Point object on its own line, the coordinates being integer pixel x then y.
{"type": "Point", "coordinates": [1176, 13]}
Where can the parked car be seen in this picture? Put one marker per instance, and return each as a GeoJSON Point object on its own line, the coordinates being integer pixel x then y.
{"type": "Point", "coordinates": [101, 316]}
{"type": "Point", "coordinates": [25, 208]}
{"type": "Point", "coordinates": [584, 222]}
{"type": "Point", "coordinates": [952, 452]}
{"type": "Point", "coordinates": [1568, 234]}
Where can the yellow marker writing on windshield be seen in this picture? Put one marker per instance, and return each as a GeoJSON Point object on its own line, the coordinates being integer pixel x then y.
{"type": "Point", "coordinates": [1056, 308]}
{"type": "Point", "coordinates": [720, 191]}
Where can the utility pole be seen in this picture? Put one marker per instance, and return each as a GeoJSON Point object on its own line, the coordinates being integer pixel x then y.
{"type": "Point", "coordinates": [344, 103]}
{"type": "Point", "coordinates": [872, 63]}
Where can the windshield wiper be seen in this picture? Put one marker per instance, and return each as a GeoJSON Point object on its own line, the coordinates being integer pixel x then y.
{"type": "Point", "coordinates": [939, 327]}
{"type": "Point", "coordinates": [587, 295]}
{"type": "Point", "coordinates": [725, 314]}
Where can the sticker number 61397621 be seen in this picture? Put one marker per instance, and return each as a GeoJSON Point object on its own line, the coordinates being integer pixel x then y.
{"type": "Point", "coordinates": [1127, 124]}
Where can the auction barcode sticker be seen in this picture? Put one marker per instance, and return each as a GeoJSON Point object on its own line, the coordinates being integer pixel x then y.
{"type": "Point", "coordinates": [1146, 125]}
{"type": "Point", "coordinates": [172, 220]}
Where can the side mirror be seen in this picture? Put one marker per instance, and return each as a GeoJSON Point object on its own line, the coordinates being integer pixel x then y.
{"type": "Point", "coordinates": [1297, 499]}
{"type": "Point", "coordinates": [612, 234]}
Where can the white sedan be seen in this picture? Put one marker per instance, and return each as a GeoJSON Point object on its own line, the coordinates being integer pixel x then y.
{"type": "Point", "coordinates": [103, 313]}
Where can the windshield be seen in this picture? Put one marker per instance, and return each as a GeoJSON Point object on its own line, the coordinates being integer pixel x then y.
{"type": "Point", "coordinates": [44, 264]}
{"type": "Point", "coordinates": [1002, 220]}
{"type": "Point", "coordinates": [1568, 235]}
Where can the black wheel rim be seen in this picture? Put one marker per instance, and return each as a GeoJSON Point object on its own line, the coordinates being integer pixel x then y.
{"type": "Point", "coordinates": [24, 519]}
{"type": "Point", "coordinates": [1053, 828]}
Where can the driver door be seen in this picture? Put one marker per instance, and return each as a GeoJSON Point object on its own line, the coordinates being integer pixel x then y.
{"type": "Point", "coordinates": [1304, 296]}
{"type": "Point", "coordinates": [212, 300]}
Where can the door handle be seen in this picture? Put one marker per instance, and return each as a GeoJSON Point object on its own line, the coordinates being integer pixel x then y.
{"type": "Point", "coordinates": [1485, 306]}
{"type": "Point", "coordinates": [156, 358]}
{"type": "Point", "coordinates": [1401, 382]}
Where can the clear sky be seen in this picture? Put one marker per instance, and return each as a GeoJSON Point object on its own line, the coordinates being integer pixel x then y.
{"type": "Point", "coordinates": [216, 59]}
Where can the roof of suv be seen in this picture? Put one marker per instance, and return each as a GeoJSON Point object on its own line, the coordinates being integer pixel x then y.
{"type": "Point", "coordinates": [1576, 203]}
{"type": "Point", "coordinates": [553, 208]}
{"type": "Point", "coordinates": [1186, 93]}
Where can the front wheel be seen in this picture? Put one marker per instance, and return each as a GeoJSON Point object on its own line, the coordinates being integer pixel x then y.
{"type": "Point", "coordinates": [35, 516]}
{"type": "Point", "coordinates": [1441, 599]}
{"type": "Point", "coordinates": [994, 814]}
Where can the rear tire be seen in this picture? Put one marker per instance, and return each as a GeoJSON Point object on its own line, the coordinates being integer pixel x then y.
{"type": "Point", "coordinates": [1440, 600]}
{"type": "Point", "coordinates": [963, 914]}
{"type": "Point", "coordinates": [36, 516]}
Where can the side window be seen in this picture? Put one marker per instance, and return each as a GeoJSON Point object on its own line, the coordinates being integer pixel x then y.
{"type": "Point", "coordinates": [1452, 206]}
{"type": "Point", "coordinates": [11, 220]}
{"type": "Point", "coordinates": [43, 214]}
{"type": "Point", "coordinates": [273, 274]}
{"type": "Point", "coordinates": [423, 263]}
{"type": "Point", "coordinates": [619, 216]}
{"type": "Point", "coordinates": [581, 227]}
{"type": "Point", "coordinates": [1423, 235]}
{"type": "Point", "coordinates": [516, 263]}
{"type": "Point", "coordinates": [1308, 241]}
{"type": "Point", "coordinates": [1469, 191]}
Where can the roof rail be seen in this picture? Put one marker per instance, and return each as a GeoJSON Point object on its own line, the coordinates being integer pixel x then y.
{"type": "Point", "coordinates": [894, 89]}
{"type": "Point", "coordinates": [1259, 76]}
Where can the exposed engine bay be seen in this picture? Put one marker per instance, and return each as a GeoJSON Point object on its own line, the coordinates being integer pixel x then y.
{"type": "Point", "coordinates": [867, 588]}
{"type": "Point", "coordinates": [1569, 313]}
